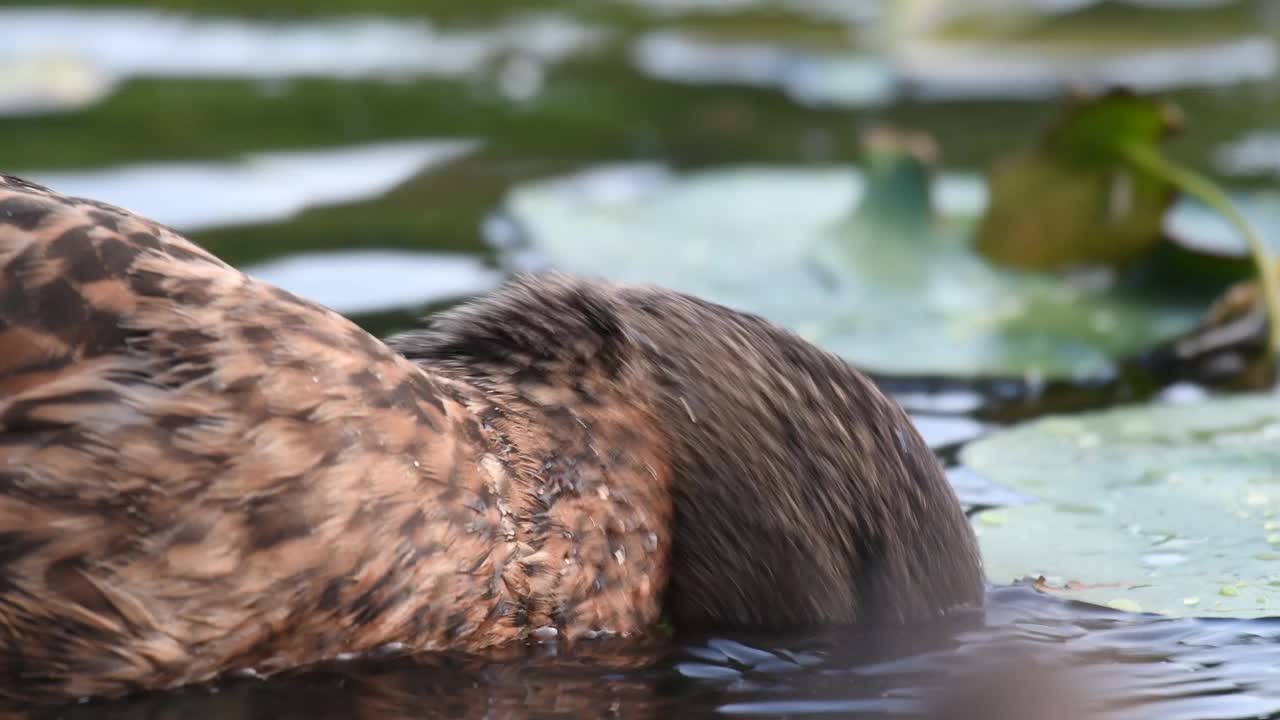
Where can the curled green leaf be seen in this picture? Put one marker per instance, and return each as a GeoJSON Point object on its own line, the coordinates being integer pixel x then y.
{"type": "Point", "coordinates": [1075, 198]}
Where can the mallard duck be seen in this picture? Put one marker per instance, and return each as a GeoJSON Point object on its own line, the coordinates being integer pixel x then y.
{"type": "Point", "coordinates": [202, 473]}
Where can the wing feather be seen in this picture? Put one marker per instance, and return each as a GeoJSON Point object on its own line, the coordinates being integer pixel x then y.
{"type": "Point", "coordinates": [192, 462]}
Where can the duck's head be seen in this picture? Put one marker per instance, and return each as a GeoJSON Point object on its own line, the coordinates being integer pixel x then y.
{"type": "Point", "coordinates": [801, 493]}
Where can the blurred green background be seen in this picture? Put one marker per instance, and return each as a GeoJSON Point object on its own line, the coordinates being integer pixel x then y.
{"type": "Point", "coordinates": [389, 157]}
{"type": "Point", "coordinates": [270, 130]}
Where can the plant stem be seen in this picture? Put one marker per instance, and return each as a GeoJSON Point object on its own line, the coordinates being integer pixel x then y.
{"type": "Point", "coordinates": [1149, 160]}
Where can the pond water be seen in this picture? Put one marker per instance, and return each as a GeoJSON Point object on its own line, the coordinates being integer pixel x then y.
{"type": "Point", "coordinates": [361, 154]}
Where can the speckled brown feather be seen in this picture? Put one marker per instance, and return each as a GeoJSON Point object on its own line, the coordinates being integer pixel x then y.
{"type": "Point", "coordinates": [200, 472]}
{"type": "Point", "coordinates": [801, 493]}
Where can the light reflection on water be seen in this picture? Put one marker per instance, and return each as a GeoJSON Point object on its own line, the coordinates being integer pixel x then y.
{"type": "Point", "coordinates": [1116, 666]}
{"type": "Point", "coordinates": [123, 43]}
{"type": "Point", "coordinates": [367, 281]}
{"type": "Point", "coordinates": [260, 188]}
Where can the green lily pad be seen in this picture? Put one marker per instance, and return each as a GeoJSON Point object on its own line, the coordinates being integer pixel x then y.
{"type": "Point", "coordinates": [1169, 508]}
{"type": "Point", "coordinates": [855, 262]}
{"type": "Point", "coordinates": [1075, 198]}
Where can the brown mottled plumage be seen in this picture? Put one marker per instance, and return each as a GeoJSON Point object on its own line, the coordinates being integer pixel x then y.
{"type": "Point", "coordinates": [200, 472]}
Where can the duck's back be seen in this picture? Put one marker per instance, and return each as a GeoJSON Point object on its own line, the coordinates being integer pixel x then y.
{"type": "Point", "coordinates": [199, 471]}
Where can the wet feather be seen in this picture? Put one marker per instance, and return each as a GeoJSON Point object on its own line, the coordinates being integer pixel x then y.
{"type": "Point", "coordinates": [201, 473]}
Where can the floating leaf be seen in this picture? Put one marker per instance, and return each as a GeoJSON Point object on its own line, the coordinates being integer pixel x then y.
{"type": "Point", "coordinates": [1095, 191]}
{"type": "Point", "coordinates": [1178, 497]}
{"type": "Point", "coordinates": [858, 263]}
{"type": "Point", "coordinates": [1076, 198]}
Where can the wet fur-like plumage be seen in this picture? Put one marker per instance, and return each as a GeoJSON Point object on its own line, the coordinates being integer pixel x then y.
{"type": "Point", "coordinates": [200, 472]}
{"type": "Point", "coordinates": [801, 493]}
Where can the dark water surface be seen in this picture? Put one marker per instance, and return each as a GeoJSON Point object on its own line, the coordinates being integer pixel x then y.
{"type": "Point", "coordinates": [1119, 666]}
{"type": "Point", "coordinates": [357, 152]}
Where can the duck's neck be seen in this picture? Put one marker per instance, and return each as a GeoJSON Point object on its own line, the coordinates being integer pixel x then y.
{"type": "Point", "coordinates": [583, 488]}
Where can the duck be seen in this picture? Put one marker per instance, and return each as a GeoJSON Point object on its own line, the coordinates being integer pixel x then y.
{"type": "Point", "coordinates": [203, 474]}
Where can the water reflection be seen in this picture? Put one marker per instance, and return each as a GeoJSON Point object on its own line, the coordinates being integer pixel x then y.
{"type": "Point", "coordinates": [124, 43]}
{"type": "Point", "coordinates": [1026, 655]}
{"type": "Point", "coordinates": [938, 72]}
{"type": "Point", "coordinates": [356, 282]}
{"type": "Point", "coordinates": [1256, 153]}
{"type": "Point", "coordinates": [842, 79]}
{"type": "Point", "coordinates": [941, 72]}
{"type": "Point", "coordinates": [847, 11]}
{"type": "Point", "coordinates": [261, 187]}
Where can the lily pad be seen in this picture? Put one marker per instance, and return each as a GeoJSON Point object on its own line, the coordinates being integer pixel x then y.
{"type": "Point", "coordinates": [1075, 198]}
{"type": "Point", "coordinates": [856, 262]}
{"type": "Point", "coordinates": [1169, 508]}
